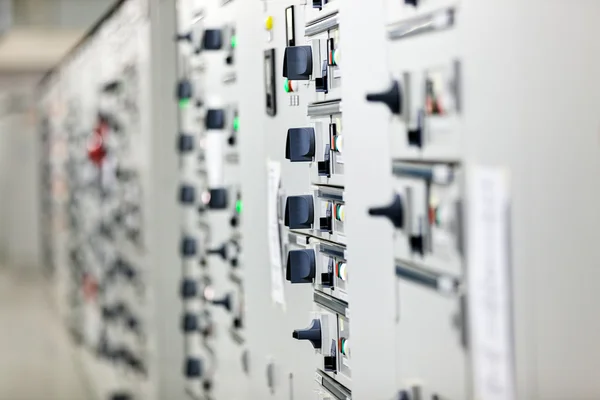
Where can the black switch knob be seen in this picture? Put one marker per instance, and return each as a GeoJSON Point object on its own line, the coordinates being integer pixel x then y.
{"type": "Point", "coordinates": [391, 98]}
{"type": "Point", "coordinates": [298, 63]}
{"type": "Point", "coordinates": [300, 266]}
{"type": "Point", "coordinates": [121, 396]}
{"type": "Point", "coordinates": [193, 367]}
{"type": "Point", "coordinates": [218, 199]}
{"type": "Point", "coordinates": [327, 279]}
{"type": "Point", "coordinates": [215, 119]}
{"type": "Point", "coordinates": [300, 144]}
{"type": "Point", "coordinates": [225, 302]}
{"type": "Point", "coordinates": [189, 289]}
{"type": "Point", "coordinates": [237, 323]}
{"type": "Point", "coordinates": [188, 247]}
{"type": "Point", "coordinates": [395, 212]}
{"type": "Point", "coordinates": [189, 323]}
{"type": "Point", "coordinates": [212, 39]}
{"type": "Point", "coordinates": [184, 37]}
{"type": "Point", "coordinates": [187, 194]}
{"type": "Point", "coordinates": [312, 333]}
{"type": "Point", "coordinates": [411, 2]}
{"type": "Point", "coordinates": [186, 143]}
{"type": "Point", "coordinates": [299, 212]}
{"type": "Point", "coordinates": [184, 90]}
{"type": "Point", "coordinates": [220, 251]}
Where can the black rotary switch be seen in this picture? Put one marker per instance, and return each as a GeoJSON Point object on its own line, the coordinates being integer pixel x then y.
{"type": "Point", "coordinates": [391, 98]}
{"type": "Point", "coordinates": [189, 323]}
{"type": "Point", "coordinates": [212, 39]}
{"type": "Point", "coordinates": [395, 212]}
{"type": "Point", "coordinates": [193, 367]}
{"type": "Point", "coordinates": [121, 396]}
{"type": "Point", "coordinates": [300, 266]}
{"type": "Point", "coordinates": [299, 212]}
{"type": "Point", "coordinates": [189, 288]}
{"type": "Point", "coordinates": [411, 2]}
{"type": "Point", "coordinates": [188, 247]}
{"type": "Point", "coordinates": [298, 63]}
{"type": "Point", "coordinates": [312, 333]}
{"type": "Point", "coordinates": [220, 251]}
{"type": "Point", "coordinates": [225, 302]}
{"type": "Point", "coordinates": [186, 143]}
{"type": "Point", "coordinates": [187, 194]}
{"type": "Point", "coordinates": [218, 199]}
{"type": "Point", "coordinates": [184, 37]}
{"type": "Point", "coordinates": [184, 90]}
{"type": "Point", "coordinates": [300, 144]}
{"type": "Point", "coordinates": [215, 119]}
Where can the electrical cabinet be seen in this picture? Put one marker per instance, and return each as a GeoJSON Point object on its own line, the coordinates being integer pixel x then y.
{"type": "Point", "coordinates": [330, 200]}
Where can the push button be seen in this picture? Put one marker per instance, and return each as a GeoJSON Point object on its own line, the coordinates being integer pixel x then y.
{"type": "Point", "coordinates": [186, 143]}
{"type": "Point", "coordinates": [188, 247]}
{"type": "Point", "coordinates": [299, 212]}
{"type": "Point", "coordinates": [212, 39]}
{"type": "Point", "coordinates": [189, 289]}
{"type": "Point", "coordinates": [297, 63]}
{"type": "Point", "coordinates": [215, 119]}
{"type": "Point", "coordinates": [187, 194]}
{"type": "Point", "coordinates": [300, 144]}
{"type": "Point", "coordinates": [218, 199]}
{"type": "Point", "coordinates": [189, 323]}
{"type": "Point", "coordinates": [312, 333]}
{"type": "Point", "coordinates": [193, 367]}
{"type": "Point", "coordinates": [300, 266]}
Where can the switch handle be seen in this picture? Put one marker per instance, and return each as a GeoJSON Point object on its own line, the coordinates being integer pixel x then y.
{"type": "Point", "coordinates": [391, 98]}
{"type": "Point", "coordinates": [312, 333]}
{"type": "Point", "coordinates": [394, 212]}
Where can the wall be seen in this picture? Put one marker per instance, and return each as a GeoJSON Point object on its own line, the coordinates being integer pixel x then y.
{"type": "Point", "coordinates": [19, 176]}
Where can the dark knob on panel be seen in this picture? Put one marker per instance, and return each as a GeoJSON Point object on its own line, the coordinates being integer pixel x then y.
{"type": "Point", "coordinates": [298, 63]}
{"type": "Point", "coordinates": [212, 39]}
{"type": "Point", "coordinates": [395, 212]}
{"type": "Point", "coordinates": [189, 288]}
{"type": "Point", "coordinates": [300, 266]}
{"type": "Point", "coordinates": [312, 333]}
{"type": "Point", "coordinates": [215, 119]}
{"type": "Point", "coordinates": [300, 144]}
{"type": "Point", "coordinates": [299, 212]}
{"type": "Point", "coordinates": [184, 89]}
{"type": "Point", "coordinates": [186, 143]}
{"type": "Point", "coordinates": [221, 251]}
{"type": "Point", "coordinates": [225, 302]}
{"type": "Point", "coordinates": [121, 396]}
{"type": "Point", "coordinates": [411, 2]}
{"type": "Point", "coordinates": [193, 367]}
{"type": "Point", "coordinates": [189, 323]}
{"type": "Point", "coordinates": [218, 199]}
{"type": "Point", "coordinates": [184, 37]}
{"type": "Point", "coordinates": [187, 194]}
{"type": "Point", "coordinates": [188, 247]}
{"type": "Point", "coordinates": [391, 98]}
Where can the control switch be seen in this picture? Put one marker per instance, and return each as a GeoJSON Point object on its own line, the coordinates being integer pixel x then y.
{"type": "Point", "coordinates": [212, 39]}
{"type": "Point", "coordinates": [312, 333]}
{"type": "Point", "coordinates": [215, 119]}
{"type": "Point", "coordinates": [298, 63]}
{"type": "Point", "coordinates": [301, 266]}
{"type": "Point", "coordinates": [299, 212]}
{"type": "Point", "coordinates": [394, 212]}
{"type": "Point", "coordinates": [300, 144]}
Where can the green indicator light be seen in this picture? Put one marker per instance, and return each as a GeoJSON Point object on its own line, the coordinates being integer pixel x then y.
{"type": "Point", "coordinates": [233, 41]}
{"type": "Point", "coordinates": [238, 206]}
{"type": "Point", "coordinates": [286, 86]}
{"type": "Point", "coordinates": [236, 124]}
{"type": "Point", "coordinates": [184, 103]}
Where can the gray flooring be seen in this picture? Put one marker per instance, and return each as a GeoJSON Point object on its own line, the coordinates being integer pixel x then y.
{"type": "Point", "coordinates": [37, 360]}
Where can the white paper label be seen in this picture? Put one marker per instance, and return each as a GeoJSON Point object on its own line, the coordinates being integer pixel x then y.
{"type": "Point", "coordinates": [489, 286]}
{"type": "Point", "coordinates": [274, 180]}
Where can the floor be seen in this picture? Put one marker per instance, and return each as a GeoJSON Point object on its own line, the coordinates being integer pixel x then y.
{"type": "Point", "coordinates": [37, 360]}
